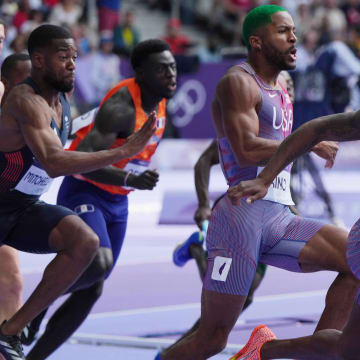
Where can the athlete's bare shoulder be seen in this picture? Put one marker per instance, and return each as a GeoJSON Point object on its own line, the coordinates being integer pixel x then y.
{"type": "Point", "coordinates": [22, 108]}
{"type": "Point", "coordinates": [116, 112]}
{"type": "Point", "coordinates": [22, 100]}
{"type": "Point", "coordinates": [238, 84]}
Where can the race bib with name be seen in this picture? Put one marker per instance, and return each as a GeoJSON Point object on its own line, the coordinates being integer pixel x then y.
{"type": "Point", "coordinates": [36, 181]}
{"type": "Point", "coordinates": [279, 190]}
{"type": "Point", "coordinates": [136, 167]}
{"type": "Point", "coordinates": [83, 120]}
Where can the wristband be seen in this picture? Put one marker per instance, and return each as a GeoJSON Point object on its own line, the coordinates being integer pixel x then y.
{"type": "Point", "coordinates": [126, 177]}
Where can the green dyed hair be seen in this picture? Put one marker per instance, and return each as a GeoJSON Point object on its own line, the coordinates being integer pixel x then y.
{"type": "Point", "coordinates": [257, 18]}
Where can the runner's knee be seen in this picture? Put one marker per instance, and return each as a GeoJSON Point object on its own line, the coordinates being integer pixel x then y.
{"type": "Point", "coordinates": [101, 265]}
{"type": "Point", "coordinates": [85, 244]}
{"type": "Point", "coordinates": [216, 341]}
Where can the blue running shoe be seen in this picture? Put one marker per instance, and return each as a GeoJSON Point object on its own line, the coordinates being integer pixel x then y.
{"type": "Point", "coordinates": [10, 347]}
{"type": "Point", "coordinates": [158, 356]}
{"type": "Point", "coordinates": [181, 254]}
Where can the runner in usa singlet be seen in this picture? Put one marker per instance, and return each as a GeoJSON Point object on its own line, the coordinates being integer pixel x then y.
{"type": "Point", "coordinates": [241, 236]}
{"type": "Point", "coordinates": [275, 123]}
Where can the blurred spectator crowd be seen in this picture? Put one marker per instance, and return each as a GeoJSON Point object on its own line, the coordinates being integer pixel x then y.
{"type": "Point", "coordinates": [328, 31]}
{"type": "Point", "coordinates": [328, 34]}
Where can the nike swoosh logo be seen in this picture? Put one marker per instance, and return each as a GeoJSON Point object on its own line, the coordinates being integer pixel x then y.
{"type": "Point", "coordinates": [222, 267]}
{"type": "Point", "coordinates": [272, 95]}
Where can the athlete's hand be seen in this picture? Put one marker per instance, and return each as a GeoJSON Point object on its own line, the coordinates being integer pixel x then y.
{"type": "Point", "coordinates": [252, 189]}
{"type": "Point", "coordinates": [327, 150]}
{"type": "Point", "coordinates": [145, 181]}
{"type": "Point", "coordinates": [202, 213]}
{"type": "Point", "coordinates": [137, 141]}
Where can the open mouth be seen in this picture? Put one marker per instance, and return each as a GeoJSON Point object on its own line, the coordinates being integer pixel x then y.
{"type": "Point", "coordinates": [172, 86]}
{"type": "Point", "coordinates": [292, 54]}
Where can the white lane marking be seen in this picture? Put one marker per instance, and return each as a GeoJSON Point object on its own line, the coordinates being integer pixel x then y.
{"type": "Point", "coordinates": [194, 306]}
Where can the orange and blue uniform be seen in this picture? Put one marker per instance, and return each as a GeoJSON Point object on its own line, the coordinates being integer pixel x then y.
{"type": "Point", "coordinates": [105, 207]}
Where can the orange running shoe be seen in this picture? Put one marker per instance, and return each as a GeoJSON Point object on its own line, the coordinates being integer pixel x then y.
{"type": "Point", "coordinates": [251, 351]}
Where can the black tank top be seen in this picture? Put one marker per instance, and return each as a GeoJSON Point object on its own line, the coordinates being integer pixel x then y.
{"type": "Point", "coordinates": [21, 174]}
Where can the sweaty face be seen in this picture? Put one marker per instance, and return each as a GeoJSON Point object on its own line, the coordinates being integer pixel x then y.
{"type": "Point", "coordinates": [279, 41]}
{"type": "Point", "coordinates": [159, 74]}
{"type": "Point", "coordinates": [60, 65]}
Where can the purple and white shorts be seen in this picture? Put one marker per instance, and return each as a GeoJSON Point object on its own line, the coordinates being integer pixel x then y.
{"type": "Point", "coordinates": [240, 236]}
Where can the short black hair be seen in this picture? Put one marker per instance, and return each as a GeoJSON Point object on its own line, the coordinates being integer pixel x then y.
{"type": "Point", "coordinates": [146, 48]}
{"type": "Point", "coordinates": [43, 35]}
{"type": "Point", "coordinates": [10, 62]}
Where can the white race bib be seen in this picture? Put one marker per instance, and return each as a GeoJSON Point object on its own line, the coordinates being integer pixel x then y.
{"type": "Point", "coordinates": [136, 167]}
{"type": "Point", "coordinates": [279, 190]}
{"type": "Point", "coordinates": [36, 181]}
{"type": "Point", "coordinates": [83, 120]}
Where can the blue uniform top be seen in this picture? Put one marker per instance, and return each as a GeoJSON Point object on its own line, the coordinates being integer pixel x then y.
{"type": "Point", "coordinates": [20, 170]}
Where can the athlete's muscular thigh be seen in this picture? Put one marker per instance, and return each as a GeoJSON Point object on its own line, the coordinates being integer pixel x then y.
{"type": "Point", "coordinates": [326, 250]}
{"type": "Point", "coordinates": [69, 232]}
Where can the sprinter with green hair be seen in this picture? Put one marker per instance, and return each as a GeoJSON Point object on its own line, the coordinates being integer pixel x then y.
{"type": "Point", "coordinates": [253, 114]}
{"type": "Point", "coordinates": [258, 18]}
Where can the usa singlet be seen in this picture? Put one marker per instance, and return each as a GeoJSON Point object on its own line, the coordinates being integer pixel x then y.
{"type": "Point", "coordinates": [275, 123]}
{"type": "Point", "coordinates": [241, 235]}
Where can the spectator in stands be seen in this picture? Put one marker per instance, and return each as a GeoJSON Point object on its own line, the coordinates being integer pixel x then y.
{"type": "Point", "coordinates": [50, 3]}
{"type": "Point", "coordinates": [108, 13]}
{"type": "Point", "coordinates": [209, 53]}
{"type": "Point", "coordinates": [179, 43]}
{"type": "Point", "coordinates": [83, 44]}
{"type": "Point", "coordinates": [22, 14]}
{"type": "Point", "coordinates": [306, 50]}
{"type": "Point", "coordinates": [19, 44]}
{"type": "Point", "coordinates": [105, 67]}
{"type": "Point", "coordinates": [36, 18]}
{"type": "Point", "coordinates": [303, 18]}
{"type": "Point", "coordinates": [354, 39]}
{"type": "Point", "coordinates": [351, 9]}
{"type": "Point", "coordinates": [234, 14]}
{"type": "Point", "coordinates": [329, 19]}
{"type": "Point", "coordinates": [8, 9]}
{"type": "Point", "coordinates": [66, 12]}
{"type": "Point", "coordinates": [126, 35]}
{"type": "Point", "coordinates": [325, 82]}
{"type": "Point", "coordinates": [35, 4]}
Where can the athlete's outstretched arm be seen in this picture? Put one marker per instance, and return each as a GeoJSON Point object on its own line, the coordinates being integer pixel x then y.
{"type": "Point", "coordinates": [337, 127]}
{"type": "Point", "coordinates": [116, 118]}
{"type": "Point", "coordinates": [33, 117]}
{"type": "Point", "coordinates": [202, 168]}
